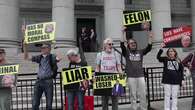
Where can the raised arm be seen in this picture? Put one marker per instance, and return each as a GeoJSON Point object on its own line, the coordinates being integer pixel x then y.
{"type": "Point", "coordinates": [159, 57]}
{"type": "Point", "coordinates": [149, 46]}
{"type": "Point", "coordinates": [26, 55]}
{"type": "Point", "coordinates": [122, 44]}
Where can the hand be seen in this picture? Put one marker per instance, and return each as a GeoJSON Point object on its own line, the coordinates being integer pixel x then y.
{"type": "Point", "coordinates": [163, 45]}
{"type": "Point", "coordinates": [124, 29]}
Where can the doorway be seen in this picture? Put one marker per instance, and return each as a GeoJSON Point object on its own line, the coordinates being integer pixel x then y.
{"type": "Point", "coordinates": [88, 24]}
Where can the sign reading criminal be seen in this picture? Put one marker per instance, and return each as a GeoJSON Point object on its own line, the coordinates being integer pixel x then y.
{"type": "Point", "coordinates": [136, 17]}
{"type": "Point", "coordinates": [77, 75]}
{"type": "Point", "coordinates": [9, 69]}
{"type": "Point", "coordinates": [40, 32]}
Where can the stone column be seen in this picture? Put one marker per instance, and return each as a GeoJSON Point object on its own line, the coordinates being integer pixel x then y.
{"type": "Point", "coordinates": [9, 12]}
{"type": "Point", "coordinates": [63, 15]}
{"type": "Point", "coordinates": [113, 14]}
{"type": "Point", "coordinates": [193, 20]}
{"type": "Point", "coordinates": [161, 18]}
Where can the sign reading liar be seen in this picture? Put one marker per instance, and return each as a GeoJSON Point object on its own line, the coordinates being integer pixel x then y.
{"type": "Point", "coordinates": [40, 32]}
{"type": "Point", "coordinates": [9, 69]}
{"type": "Point", "coordinates": [108, 81]}
{"type": "Point", "coordinates": [77, 75]}
{"type": "Point", "coordinates": [136, 17]}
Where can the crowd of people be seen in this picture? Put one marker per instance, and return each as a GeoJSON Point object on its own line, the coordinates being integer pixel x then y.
{"type": "Point", "coordinates": [108, 61]}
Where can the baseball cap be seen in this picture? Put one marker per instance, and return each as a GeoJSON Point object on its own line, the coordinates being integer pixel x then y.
{"type": "Point", "coordinates": [72, 52]}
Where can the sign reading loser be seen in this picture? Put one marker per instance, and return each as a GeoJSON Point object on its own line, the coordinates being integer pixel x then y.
{"type": "Point", "coordinates": [108, 81]}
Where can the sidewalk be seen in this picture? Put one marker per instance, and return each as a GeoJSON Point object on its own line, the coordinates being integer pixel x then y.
{"type": "Point", "coordinates": [183, 104]}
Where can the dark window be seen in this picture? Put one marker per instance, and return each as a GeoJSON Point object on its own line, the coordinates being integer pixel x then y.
{"type": "Point", "coordinates": [188, 3]}
{"type": "Point", "coordinates": [129, 2]}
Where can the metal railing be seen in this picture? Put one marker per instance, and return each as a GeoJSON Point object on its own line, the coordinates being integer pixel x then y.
{"type": "Point", "coordinates": [89, 2]}
{"type": "Point", "coordinates": [155, 89]}
{"type": "Point", "coordinates": [22, 94]}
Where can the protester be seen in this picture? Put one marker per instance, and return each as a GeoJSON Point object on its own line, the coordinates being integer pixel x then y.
{"type": "Point", "coordinates": [134, 70]}
{"type": "Point", "coordinates": [108, 61]}
{"type": "Point", "coordinates": [76, 89]}
{"type": "Point", "coordinates": [189, 62]}
{"type": "Point", "coordinates": [172, 77]}
{"type": "Point", "coordinates": [46, 73]}
{"type": "Point", "coordinates": [93, 40]}
{"type": "Point", "coordinates": [6, 84]}
{"type": "Point", "coordinates": [85, 39]}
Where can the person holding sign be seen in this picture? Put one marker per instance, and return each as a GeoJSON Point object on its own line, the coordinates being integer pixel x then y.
{"type": "Point", "coordinates": [134, 69]}
{"type": "Point", "coordinates": [108, 61]}
{"type": "Point", "coordinates": [189, 63]}
{"type": "Point", "coordinates": [6, 84]}
{"type": "Point", "coordinates": [76, 89]}
{"type": "Point", "coordinates": [46, 73]}
{"type": "Point", "coordinates": [172, 77]}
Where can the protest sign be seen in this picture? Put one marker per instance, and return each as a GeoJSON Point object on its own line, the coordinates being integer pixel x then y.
{"type": "Point", "coordinates": [105, 83]}
{"type": "Point", "coordinates": [9, 69]}
{"type": "Point", "coordinates": [136, 17]}
{"type": "Point", "coordinates": [177, 36]}
{"type": "Point", "coordinates": [77, 75]}
{"type": "Point", "coordinates": [108, 81]}
{"type": "Point", "coordinates": [40, 32]}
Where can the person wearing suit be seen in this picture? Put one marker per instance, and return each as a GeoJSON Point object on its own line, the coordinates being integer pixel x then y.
{"type": "Point", "coordinates": [118, 89]}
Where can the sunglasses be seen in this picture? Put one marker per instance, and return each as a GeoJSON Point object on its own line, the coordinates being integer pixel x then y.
{"type": "Point", "coordinates": [110, 44]}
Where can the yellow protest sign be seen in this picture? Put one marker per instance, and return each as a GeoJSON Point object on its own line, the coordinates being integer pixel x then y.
{"type": "Point", "coordinates": [9, 69]}
{"type": "Point", "coordinates": [108, 81]}
{"type": "Point", "coordinates": [40, 32]}
{"type": "Point", "coordinates": [77, 75]}
{"type": "Point", "coordinates": [136, 17]}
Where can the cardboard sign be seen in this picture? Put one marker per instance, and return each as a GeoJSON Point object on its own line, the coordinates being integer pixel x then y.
{"type": "Point", "coordinates": [40, 32]}
{"type": "Point", "coordinates": [177, 36]}
{"type": "Point", "coordinates": [77, 75]}
{"type": "Point", "coordinates": [136, 17]}
{"type": "Point", "coordinates": [108, 81]}
{"type": "Point", "coordinates": [9, 69]}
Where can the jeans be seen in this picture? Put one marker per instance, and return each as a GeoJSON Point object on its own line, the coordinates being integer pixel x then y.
{"type": "Point", "coordinates": [46, 87]}
{"type": "Point", "coordinates": [71, 94]}
{"type": "Point", "coordinates": [105, 104]}
{"type": "Point", "coordinates": [170, 91]}
{"type": "Point", "coordinates": [137, 90]}
{"type": "Point", "coordinates": [5, 98]}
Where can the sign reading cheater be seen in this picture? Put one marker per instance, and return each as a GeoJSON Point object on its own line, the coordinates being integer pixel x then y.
{"type": "Point", "coordinates": [40, 32]}
{"type": "Point", "coordinates": [177, 36]}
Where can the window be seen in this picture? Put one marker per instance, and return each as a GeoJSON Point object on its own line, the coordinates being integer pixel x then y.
{"type": "Point", "coordinates": [188, 3]}
{"type": "Point", "coordinates": [128, 2]}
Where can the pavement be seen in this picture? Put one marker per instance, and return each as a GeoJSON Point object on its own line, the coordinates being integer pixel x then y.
{"type": "Point", "coordinates": [183, 104]}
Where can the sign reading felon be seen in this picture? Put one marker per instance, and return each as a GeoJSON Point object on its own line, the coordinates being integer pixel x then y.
{"type": "Point", "coordinates": [136, 17]}
{"type": "Point", "coordinates": [40, 32]}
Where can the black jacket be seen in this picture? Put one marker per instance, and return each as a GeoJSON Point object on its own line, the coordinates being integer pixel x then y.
{"type": "Point", "coordinates": [173, 70]}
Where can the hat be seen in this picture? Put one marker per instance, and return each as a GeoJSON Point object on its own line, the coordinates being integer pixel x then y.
{"type": "Point", "coordinates": [45, 45]}
{"type": "Point", "coordinates": [72, 52]}
{"type": "Point", "coordinates": [2, 50]}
